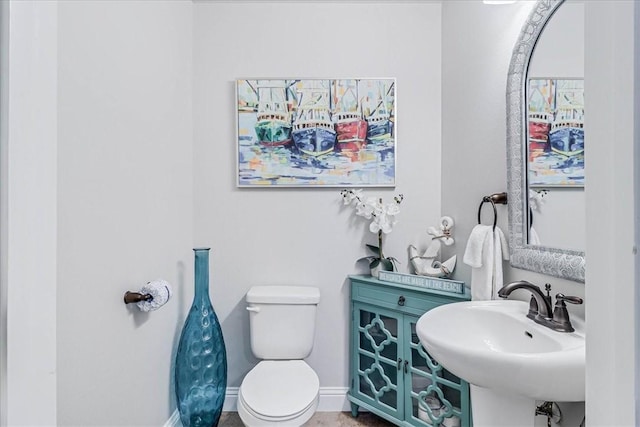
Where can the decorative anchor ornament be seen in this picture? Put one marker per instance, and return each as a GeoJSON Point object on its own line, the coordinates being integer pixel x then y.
{"type": "Point", "coordinates": [426, 264]}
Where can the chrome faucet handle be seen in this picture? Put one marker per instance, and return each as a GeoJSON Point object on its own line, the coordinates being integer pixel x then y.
{"type": "Point", "coordinates": [561, 322]}
{"type": "Point", "coordinates": [569, 299]}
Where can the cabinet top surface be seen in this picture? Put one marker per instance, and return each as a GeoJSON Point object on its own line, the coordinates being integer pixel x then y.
{"type": "Point", "coordinates": [373, 281]}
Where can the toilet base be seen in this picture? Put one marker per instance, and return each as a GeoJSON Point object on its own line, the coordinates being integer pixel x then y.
{"type": "Point", "coordinates": [250, 420]}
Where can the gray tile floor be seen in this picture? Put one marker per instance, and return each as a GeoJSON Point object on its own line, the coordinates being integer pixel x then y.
{"type": "Point", "coordinates": [324, 419]}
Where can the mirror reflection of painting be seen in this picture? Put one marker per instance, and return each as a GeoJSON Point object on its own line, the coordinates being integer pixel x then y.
{"type": "Point", "coordinates": [316, 132]}
{"type": "Point", "coordinates": [556, 132]}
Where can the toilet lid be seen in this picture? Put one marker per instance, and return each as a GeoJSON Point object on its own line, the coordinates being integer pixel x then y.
{"type": "Point", "coordinates": [278, 388]}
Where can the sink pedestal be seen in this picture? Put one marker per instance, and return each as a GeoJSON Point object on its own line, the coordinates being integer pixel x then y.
{"type": "Point", "coordinates": [491, 408]}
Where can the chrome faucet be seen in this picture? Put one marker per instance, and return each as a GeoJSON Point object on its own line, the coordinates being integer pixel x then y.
{"type": "Point", "coordinates": [540, 305]}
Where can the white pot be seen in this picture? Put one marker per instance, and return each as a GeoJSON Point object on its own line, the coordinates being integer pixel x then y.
{"type": "Point", "coordinates": [378, 268]}
{"type": "Point", "coordinates": [375, 271]}
{"type": "Point", "coordinates": [436, 409]}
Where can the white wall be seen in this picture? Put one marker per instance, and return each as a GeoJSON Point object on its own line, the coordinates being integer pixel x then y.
{"type": "Point", "coordinates": [477, 40]}
{"type": "Point", "coordinates": [559, 52]}
{"type": "Point", "coordinates": [125, 206]}
{"type": "Point", "coordinates": [4, 244]}
{"type": "Point", "coordinates": [29, 213]}
{"type": "Point", "coordinates": [636, 194]}
{"type": "Point", "coordinates": [305, 236]}
{"type": "Point", "coordinates": [611, 73]}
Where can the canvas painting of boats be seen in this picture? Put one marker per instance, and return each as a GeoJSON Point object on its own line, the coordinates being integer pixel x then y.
{"type": "Point", "coordinates": [555, 132]}
{"type": "Point", "coordinates": [316, 132]}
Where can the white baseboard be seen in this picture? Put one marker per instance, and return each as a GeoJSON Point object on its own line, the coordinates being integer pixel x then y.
{"type": "Point", "coordinates": [174, 420]}
{"type": "Point", "coordinates": [231, 400]}
{"type": "Point", "coordinates": [332, 399]}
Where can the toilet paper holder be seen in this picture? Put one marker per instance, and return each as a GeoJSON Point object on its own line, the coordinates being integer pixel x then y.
{"type": "Point", "coordinates": [134, 297]}
{"type": "Point", "coordinates": [151, 296]}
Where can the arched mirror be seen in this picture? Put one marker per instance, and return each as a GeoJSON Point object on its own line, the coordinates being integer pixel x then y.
{"type": "Point", "coordinates": [545, 142]}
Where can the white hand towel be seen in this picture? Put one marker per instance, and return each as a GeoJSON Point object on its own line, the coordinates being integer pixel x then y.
{"type": "Point", "coordinates": [486, 248]}
{"type": "Point", "coordinates": [504, 246]}
{"type": "Point", "coordinates": [473, 252]}
{"type": "Point", "coordinates": [534, 239]}
{"type": "Point", "coordinates": [501, 252]}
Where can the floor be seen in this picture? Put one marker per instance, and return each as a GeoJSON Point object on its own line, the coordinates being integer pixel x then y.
{"type": "Point", "coordinates": [327, 419]}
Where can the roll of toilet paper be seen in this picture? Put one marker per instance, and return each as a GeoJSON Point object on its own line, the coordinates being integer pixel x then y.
{"type": "Point", "coordinates": [160, 290]}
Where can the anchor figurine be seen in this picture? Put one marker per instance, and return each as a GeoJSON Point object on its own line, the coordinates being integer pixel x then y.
{"type": "Point", "coordinates": [426, 264]}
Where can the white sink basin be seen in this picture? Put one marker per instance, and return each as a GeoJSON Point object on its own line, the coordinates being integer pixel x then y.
{"type": "Point", "coordinates": [492, 344]}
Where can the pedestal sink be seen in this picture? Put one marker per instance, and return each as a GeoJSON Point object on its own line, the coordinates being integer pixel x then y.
{"type": "Point", "coordinates": [509, 360]}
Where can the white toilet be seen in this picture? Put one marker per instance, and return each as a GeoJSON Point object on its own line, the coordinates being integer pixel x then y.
{"type": "Point", "coordinates": [281, 390]}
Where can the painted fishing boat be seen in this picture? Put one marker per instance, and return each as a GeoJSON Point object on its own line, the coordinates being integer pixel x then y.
{"type": "Point", "coordinates": [379, 124]}
{"type": "Point", "coordinates": [378, 127]}
{"type": "Point", "coordinates": [313, 131]}
{"type": "Point", "coordinates": [566, 136]}
{"type": "Point", "coordinates": [351, 130]}
{"type": "Point", "coordinates": [273, 126]}
{"type": "Point", "coordinates": [539, 127]}
{"type": "Point", "coordinates": [351, 127]}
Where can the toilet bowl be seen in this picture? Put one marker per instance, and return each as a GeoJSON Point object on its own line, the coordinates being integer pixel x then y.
{"type": "Point", "coordinates": [282, 389]}
{"type": "Point", "coordinates": [278, 393]}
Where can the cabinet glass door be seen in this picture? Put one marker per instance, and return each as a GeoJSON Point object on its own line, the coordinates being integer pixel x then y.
{"type": "Point", "coordinates": [378, 364]}
{"type": "Point", "coordinates": [435, 393]}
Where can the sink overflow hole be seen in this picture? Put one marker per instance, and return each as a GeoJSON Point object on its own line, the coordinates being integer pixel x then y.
{"type": "Point", "coordinates": [529, 334]}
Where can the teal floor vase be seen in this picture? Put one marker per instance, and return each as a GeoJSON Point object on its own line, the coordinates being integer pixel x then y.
{"type": "Point", "coordinates": [201, 360]}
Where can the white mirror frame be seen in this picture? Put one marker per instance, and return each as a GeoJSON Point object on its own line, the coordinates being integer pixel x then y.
{"type": "Point", "coordinates": [562, 263]}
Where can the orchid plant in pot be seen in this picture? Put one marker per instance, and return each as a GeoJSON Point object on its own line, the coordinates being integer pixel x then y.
{"type": "Point", "coordinates": [383, 218]}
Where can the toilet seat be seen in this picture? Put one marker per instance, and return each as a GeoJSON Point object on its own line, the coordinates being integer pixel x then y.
{"type": "Point", "coordinates": [283, 392]}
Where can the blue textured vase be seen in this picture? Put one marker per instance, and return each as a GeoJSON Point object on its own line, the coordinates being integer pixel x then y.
{"type": "Point", "coordinates": [201, 360]}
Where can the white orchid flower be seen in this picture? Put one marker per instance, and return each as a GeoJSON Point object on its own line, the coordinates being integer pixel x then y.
{"type": "Point", "coordinates": [367, 208]}
{"type": "Point", "coordinates": [362, 209]}
{"type": "Point", "coordinates": [536, 199]}
{"type": "Point", "coordinates": [386, 226]}
{"type": "Point", "coordinates": [382, 215]}
{"type": "Point", "coordinates": [393, 209]}
{"type": "Point", "coordinates": [378, 223]}
{"type": "Point", "coordinates": [378, 209]}
{"type": "Point", "coordinates": [350, 196]}
{"type": "Point", "coordinates": [382, 223]}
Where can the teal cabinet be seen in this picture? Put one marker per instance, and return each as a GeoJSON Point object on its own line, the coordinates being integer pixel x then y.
{"type": "Point", "coordinates": [391, 374]}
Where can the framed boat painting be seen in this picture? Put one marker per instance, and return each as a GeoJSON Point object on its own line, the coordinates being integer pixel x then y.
{"type": "Point", "coordinates": [555, 132]}
{"type": "Point", "coordinates": [316, 132]}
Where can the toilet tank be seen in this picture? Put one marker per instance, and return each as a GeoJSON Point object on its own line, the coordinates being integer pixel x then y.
{"type": "Point", "coordinates": [282, 321]}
